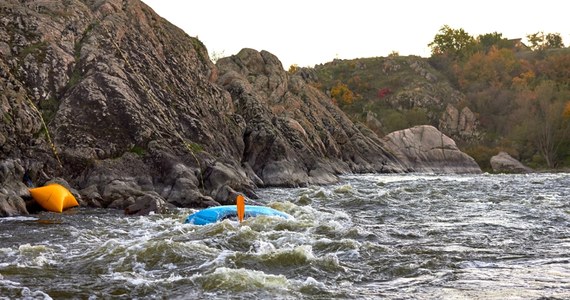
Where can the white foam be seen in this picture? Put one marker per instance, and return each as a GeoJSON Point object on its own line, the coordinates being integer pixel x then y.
{"type": "Point", "coordinates": [142, 279]}
{"type": "Point", "coordinates": [219, 260]}
{"type": "Point", "coordinates": [263, 247]}
{"type": "Point", "coordinates": [35, 256]}
{"type": "Point", "coordinates": [224, 278]}
{"type": "Point", "coordinates": [18, 218]}
{"type": "Point", "coordinates": [310, 281]}
{"type": "Point", "coordinates": [28, 294]}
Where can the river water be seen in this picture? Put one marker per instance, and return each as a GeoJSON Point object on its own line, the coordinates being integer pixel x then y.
{"type": "Point", "coordinates": [369, 237]}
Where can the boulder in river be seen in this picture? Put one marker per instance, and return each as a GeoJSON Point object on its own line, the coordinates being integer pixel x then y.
{"type": "Point", "coordinates": [426, 149]}
{"type": "Point", "coordinates": [505, 163]}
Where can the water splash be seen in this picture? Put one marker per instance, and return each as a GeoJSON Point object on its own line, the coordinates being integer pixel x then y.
{"type": "Point", "coordinates": [370, 236]}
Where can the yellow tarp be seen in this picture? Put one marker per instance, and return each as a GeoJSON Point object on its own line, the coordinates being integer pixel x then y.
{"type": "Point", "coordinates": [54, 197]}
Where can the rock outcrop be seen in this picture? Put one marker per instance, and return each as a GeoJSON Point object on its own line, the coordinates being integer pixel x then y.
{"type": "Point", "coordinates": [131, 112]}
{"type": "Point", "coordinates": [426, 149]}
{"type": "Point", "coordinates": [126, 98]}
{"type": "Point", "coordinates": [294, 134]}
{"type": "Point", "coordinates": [504, 163]}
{"type": "Point", "coordinates": [460, 123]}
{"type": "Point", "coordinates": [12, 189]}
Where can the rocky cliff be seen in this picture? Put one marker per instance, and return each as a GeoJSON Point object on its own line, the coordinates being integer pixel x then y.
{"type": "Point", "coordinates": [129, 109]}
{"type": "Point", "coordinates": [294, 134]}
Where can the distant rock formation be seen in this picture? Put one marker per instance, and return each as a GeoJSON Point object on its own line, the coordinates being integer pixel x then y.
{"type": "Point", "coordinates": [426, 149]}
{"type": "Point", "coordinates": [407, 85]}
{"type": "Point", "coordinates": [463, 124]}
{"type": "Point", "coordinates": [504, 163]}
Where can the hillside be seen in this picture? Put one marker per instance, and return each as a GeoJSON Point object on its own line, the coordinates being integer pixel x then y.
{"type": "Point", "coordinates": [394, 93]}
{"type": "Point", "coordinates": [478, 100]}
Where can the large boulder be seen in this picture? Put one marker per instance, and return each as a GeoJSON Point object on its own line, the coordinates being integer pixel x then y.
{"type": "Point", "coordinates": [504, 163]}
{"type": "Point", "coordinates": [148, 203]}
{"type": "Point", "coordinates": [426, 149]}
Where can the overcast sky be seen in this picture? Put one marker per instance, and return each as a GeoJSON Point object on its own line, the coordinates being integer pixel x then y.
{"type": "Point", "coordinates": [309, 32]}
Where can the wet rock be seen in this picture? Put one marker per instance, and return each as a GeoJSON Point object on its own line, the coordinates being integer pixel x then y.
{"type": "Point", "coordinates": [92, 196]}
{"type": "Point", "coordinates": [148, 203]}
{"type": "Point", "coordinates": [184, 193]}
{"type": "Point", "coordinates": [12, 205]}
{"type": "Point", "coordinates": [219, 179]}
{"type": "Point", "coordinates": [504, 163]}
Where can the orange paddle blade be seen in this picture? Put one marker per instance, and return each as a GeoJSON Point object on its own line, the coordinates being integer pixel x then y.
{"type": "Point", "coordinates": [240, 203]}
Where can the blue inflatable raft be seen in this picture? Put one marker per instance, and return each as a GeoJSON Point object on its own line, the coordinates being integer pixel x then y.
{"type": "Point", "coordinates": [218, 213]}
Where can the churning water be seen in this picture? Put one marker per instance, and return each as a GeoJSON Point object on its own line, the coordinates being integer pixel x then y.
{"type": "Point", "coordinates": [369, 237]}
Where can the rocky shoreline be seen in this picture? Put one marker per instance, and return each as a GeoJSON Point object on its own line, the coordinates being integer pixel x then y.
{"type": "Point", "coordinates": [130, 113]}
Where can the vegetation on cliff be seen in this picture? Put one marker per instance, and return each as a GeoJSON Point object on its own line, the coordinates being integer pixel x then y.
{"type": "Point", "coordinates": [501, 94]}
{"type": "Point", "coordinates": [520, 93]}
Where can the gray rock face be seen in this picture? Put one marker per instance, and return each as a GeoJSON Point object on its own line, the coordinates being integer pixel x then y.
{"type": "Point", "coordinates": [294, 134]}
{"type": "Point", "coordinates": [129, 110]}
{"type": "Point", "coordinates": [128, 100]}
{"type": "Point", "coordinates": [426, 149]}
{"type": "Point", "coordinates": [462, 124]}
{"type": "Point", "coordinates": [12, 189]}
{"type": "Point", "coordinates": [504, 163]}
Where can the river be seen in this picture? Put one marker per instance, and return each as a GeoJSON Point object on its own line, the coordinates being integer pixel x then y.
{"type": "Point", "coordinates": [412, 236]}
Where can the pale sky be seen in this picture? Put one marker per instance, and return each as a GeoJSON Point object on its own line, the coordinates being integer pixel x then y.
{"type": "Point", "coordinates": [310, 32]}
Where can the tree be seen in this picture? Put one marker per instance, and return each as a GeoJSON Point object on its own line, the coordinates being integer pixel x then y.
{"type": "Point", "coordinates": [554, 41]}
{"type": "Point", "coordinates": [455, 43]}
{"type": "Point", "coordinates": [566, 112]}
{"type": "Point", "coordinates": [555, 67]}
{"type": "Point", "coordinates": [215, 56]}
{"type": "Point", "coordinates": [293, 69]}
{"type": "Point", "coordinates": [536, 40]}
{"type": "Point", "coordinates": [546, 126]}
{"type": "Point", "coordinates": [394, 53]}
{"type": "Point", "coordinates": [539, 41]}
{"type": "Point", "coordinates": [494, 68]}
{"type": "Point", "coordinates": [489, 40]}
{"type": "Point", "coordinates": [552, 131]}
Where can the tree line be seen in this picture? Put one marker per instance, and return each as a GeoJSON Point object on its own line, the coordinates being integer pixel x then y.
{"type": "Point", "coordinates": [520, 91]}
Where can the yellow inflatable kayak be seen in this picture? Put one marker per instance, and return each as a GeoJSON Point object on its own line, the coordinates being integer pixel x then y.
{"type": "Point", "coordinates": [54, 197]}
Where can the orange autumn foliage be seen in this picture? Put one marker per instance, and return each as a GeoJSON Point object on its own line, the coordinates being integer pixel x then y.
{"type": "Point", "coordinates": [566, 112]}
{"type": "Point", "coordinates": [342, 94]}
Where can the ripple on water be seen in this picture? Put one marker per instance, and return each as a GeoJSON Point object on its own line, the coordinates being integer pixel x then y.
{"type": "Point", "coordinates": [403, 236]}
